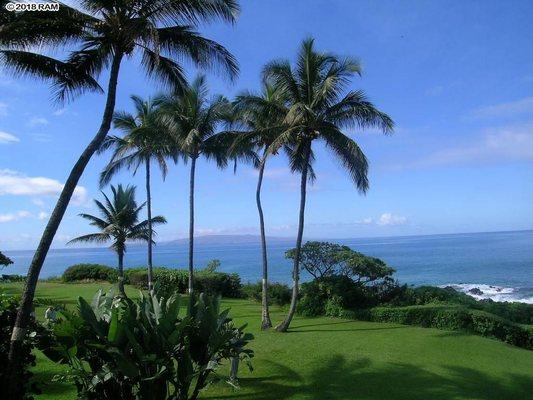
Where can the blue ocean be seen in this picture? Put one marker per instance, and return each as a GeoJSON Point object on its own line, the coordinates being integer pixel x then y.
{"type": "Point", "coordinates": [498, 263]}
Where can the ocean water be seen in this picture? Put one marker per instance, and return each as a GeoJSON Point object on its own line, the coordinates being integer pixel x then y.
{"type": "Point", "coordinates": [500, 264]}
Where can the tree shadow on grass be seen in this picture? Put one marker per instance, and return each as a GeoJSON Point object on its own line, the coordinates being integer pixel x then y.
{"type": "Point", "coordinates": [337, 378]}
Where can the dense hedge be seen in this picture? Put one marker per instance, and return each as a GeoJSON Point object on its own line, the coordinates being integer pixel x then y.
{"type": "Point", "coordinates": [406, 296]}
{"type": "Point", "coordinates": [278, 293]}
{"type": "Point", "coordinates": [167, 280]}
{"type": "Point", "coordinates": [89, 272]}
{"type": "Point", "coordinates": [452, 318]}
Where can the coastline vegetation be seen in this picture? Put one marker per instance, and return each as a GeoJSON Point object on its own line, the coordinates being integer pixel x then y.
{"type": "Point", "coordinates": [351, 319]}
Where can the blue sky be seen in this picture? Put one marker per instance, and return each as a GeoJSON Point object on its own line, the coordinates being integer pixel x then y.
{"type": "Point", "coordinates": [456, 77]}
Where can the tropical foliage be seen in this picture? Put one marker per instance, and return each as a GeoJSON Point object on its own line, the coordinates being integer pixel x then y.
{"type": "Point", "coordinates": [148, 348]}
{"type": "Point", "coordinates": [194, 121]}
{"type": "Point", "coordinates": [118, 222]}
{"type": "Point", "coordinates": [95, 38]}
{"type": "Point", "coordinates": [145, 140]}
{"type": "Point", "coordinates": [4, 260]}
{"type": "Point", "coordinates": [320, 108]}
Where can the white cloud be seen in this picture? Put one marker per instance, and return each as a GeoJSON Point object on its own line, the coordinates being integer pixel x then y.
{"type": "Point", "coordinates": [38, 202]}
{"type": "Point", "coordinates": [496, 145]}
{"type": "Point", "coordinates": [3, 109]}
{"type": "Point", "coordinates": [37, 121]}
{"type": "Point", "coordinates": [59, 112]}
{"type": "Point", "coordinates": [7, 138]}
{"type": "Point", "coordinates": [511, 108]}
{"type": "Point", "coordinates": [42, 215]}
{"type": "Point", "coordinates": [18, 184]}
{"type": "Point", "coordinates": [14, 216]}
{"type": "Point", "coordinates": [388, 219]}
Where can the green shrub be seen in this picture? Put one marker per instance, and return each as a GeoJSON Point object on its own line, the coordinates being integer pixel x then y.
{"type": "Point", "coordinates": [13, 278]}
{"type": "Point", "coordinates": [149, 348]}
{"type": "Point", "coordinates": [315, 295]}
{"type": "Point", "coordinates": [278, 293]}
{"type": "Point", "coordinates": [8, 313]}
{"type": "Point", "coordinates": [89, 272]}
{"type": "Point", "coordinates": [333, 307]}
{"type": "Point", "coordinates": [519, 313]}
{"type": "Point", "coordinates": [452, 318]}
{"type": "Point", "coordinates": [169, 280]}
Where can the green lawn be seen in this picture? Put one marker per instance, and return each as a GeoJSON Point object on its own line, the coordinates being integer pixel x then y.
{"type": "Point", "coordinates": [326, 358]}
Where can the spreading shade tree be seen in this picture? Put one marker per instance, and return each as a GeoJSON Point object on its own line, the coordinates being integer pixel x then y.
{"type": "Point", "coordinates": [96, 37]}
{"type": "Point", "coordinates": [145, 140]}
{"type": "Point", "coordinates": [320, 108]}
{"type": "Point", "coordinates": [260, 118]}
{"type": "Point", "coordinates": [119, 222]}
{"type": "Point", "coordinates": [194, 121]}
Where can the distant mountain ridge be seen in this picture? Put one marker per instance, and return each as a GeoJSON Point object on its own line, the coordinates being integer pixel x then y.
{"type": "Point", "coordinates": [226, 239]}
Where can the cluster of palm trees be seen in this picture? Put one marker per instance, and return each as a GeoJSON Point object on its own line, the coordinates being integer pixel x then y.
{"type": "Point", "coordinates": [299, 105]}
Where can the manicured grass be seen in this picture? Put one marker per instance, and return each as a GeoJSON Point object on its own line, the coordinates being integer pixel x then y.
{"type": "Point", "coordinates": [326, 358]}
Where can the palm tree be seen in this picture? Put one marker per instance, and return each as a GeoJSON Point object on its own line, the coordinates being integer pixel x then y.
{"type": "Point", "coordinates": [97, 38]}
{"type": "Point", "coordinates": [145, 140]}
{"type": "Point", "coordinates": [262, 115]}
{"type": "Point", "coordinates": [193, 119]}
{"type": "Point", "coordinates": [319, 108]}
{"type": "Point", "coordinates": [119, 222]}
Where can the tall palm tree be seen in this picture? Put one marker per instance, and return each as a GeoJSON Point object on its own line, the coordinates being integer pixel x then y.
{"type": "Point", "coordinates": [96, 38]}
{"type": "Point", "coordinates": [193, 119]}
{"type": "Point", "coordinates": [261, 116]}
{"type": "Point", "coordinates": [319, 108]}
{"type": "Point", "coordinates": [145, 140]}
{"type": "Point", "coordinates": [119, 222]}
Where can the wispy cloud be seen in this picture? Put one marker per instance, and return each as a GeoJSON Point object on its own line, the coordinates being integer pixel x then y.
{"type": "Point", "coordinates": [388, 219]}
{"type": "Point", "coordinates": [14, 216]}
{"type": "Point", "coordinates": [18, 184]}
{"type": "Point", "coordinates": [512, 108]}
{"type": "Point", "coordinates": [8, 138]}
{"type": "Point", "coordinates": [503, 144]}
{"type": "Point", "coordinates": [42, 215]}
{"type": "Point", "coordinates": [37, 121]}
{"type": "Point", "coordinates": [3, 109]}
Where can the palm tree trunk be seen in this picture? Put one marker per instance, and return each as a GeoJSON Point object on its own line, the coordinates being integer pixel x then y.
{"type": "Point", "coordinates": [296, 268]}
{"type": "Point", "coordinates": [121, 273]}
{"type": "Point", "coordinates": [57, 215]}
{"type": "Point", "coordinates": [150, 232]}
{"type": "Point", "coordinates": [191, 225]}
{"type": "Point", "coordinates": [265, 315]}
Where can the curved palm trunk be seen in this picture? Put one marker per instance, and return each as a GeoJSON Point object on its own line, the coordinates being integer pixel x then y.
{"type": "Point", "coordinates": [150, 231]}
{"type": "Point", "coordinates": [57, 215]}
{"type": "Point", "coordinates": [121, 272]}
{"type": "Point", "coordinates": [265, 315]}
{"type": "Point", "coordinates": [191, 224]}
{"type": "Point", "coordinates": [296, 268]}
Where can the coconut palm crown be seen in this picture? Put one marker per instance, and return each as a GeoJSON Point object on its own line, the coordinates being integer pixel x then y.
{"type": "Point", "coordinates": [119, 223]}
{"type": "Point", "coordinates": [145, 139]}
{"type": "Point", "coordinates": [320, 108]}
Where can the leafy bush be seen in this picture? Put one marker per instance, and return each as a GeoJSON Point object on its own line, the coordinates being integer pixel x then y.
{"type": "Point", "coordinates": [452, 318]}
{"type": "Point", "coordinates": [404, 296]}
{"type": "Point", "coordinates": [278, 293]}
{"type": "Point", "coordinates": [12, 278]}
{"type": "Point", "coordinates": [8, 314]}
{"type": "Point", "coordinates": [169, 280]}
{"type": "Point", "coordinates": [89, 272]}
{"type": "Point", "coordinates": [350, 295]}
{"type": "Point", "coordinates": [145, 349]}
